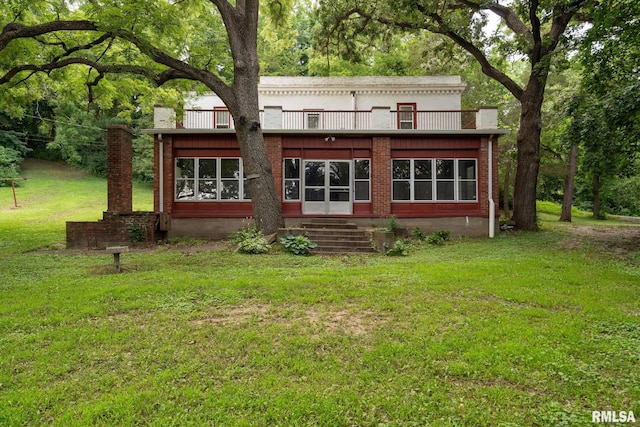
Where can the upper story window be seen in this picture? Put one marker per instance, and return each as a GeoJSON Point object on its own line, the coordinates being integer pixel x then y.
{"type": "Point", "coordinates": [221, 118]}
{"type": "Point", "coordinates": [407, 116]}
{"type": "Point", "coordinates": [312, 120]}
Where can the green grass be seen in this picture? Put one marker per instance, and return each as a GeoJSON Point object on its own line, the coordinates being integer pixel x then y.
{"type": "Point", "coordinates": [521, 330]}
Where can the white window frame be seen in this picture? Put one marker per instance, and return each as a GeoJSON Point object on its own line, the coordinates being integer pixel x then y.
{"type": "Point", "coordinates": [317, 115]}
{"type": "Point", "coordinates": [457, 181]}
{"type": "Point", "coordinates": [221, 112]}
{"type": "Point", "coordinates": [355, 180]}
{"type": "Point", "coordinates": [242, 181]}
{"type": "Point", "coordinates": [285, 179]}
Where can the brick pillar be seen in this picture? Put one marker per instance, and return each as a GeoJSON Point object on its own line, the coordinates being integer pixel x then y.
{"type": "Point", "coordinates": [119, 169]}
{"type": "Point", "coordinates": [381, 177]}
{"type": "Point", "coordinates": [274, 152]}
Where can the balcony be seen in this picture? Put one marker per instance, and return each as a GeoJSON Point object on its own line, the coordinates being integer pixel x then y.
{"type": "Point", "coordinates": [378, 118]}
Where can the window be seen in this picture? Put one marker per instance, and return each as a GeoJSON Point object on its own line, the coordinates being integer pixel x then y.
{"type": "Point", "coordinates": [312, 120]}
{"type": "Point", "coordinates": [419, 180]}
{"type": "Point", "coordinates": [291, 179]}
{"type": "Point", "coordinates": [221, 118]}
{"type": "Point", "coordinates": [361, 180]}
{"type": "Point", "coordinates": [406, 116]}
{"type": "Point", "coordinates": [210, 179]}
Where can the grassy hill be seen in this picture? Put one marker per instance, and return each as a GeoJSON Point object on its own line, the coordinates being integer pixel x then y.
{"type": "Point", "coordinates": [527, 329]}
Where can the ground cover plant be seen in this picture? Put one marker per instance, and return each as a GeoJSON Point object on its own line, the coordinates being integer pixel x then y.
{"type": "Point", "coordinates": [527, 329]}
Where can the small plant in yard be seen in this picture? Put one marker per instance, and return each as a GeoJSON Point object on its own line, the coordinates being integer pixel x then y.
{"type": "Point", "coordinates": [297, 244]}
{"type": "Point", "coordinates": [419, 234]}
{"type": "Point", "coordinates": [438, 237]}
{"type": "Point", "coordinates": [392, 225]}
{"type": "Point", "coordinates": [250, 240]}
{"type": "Point", "coordinates": [400, 248]}
{"type": "Point", "coordinates": [137, 234]}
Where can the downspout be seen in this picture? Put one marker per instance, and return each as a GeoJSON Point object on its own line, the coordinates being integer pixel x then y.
{"type": "Point", "coordinates": [492, 205]}
{"type": "Point", "coordinates": [161, 171]}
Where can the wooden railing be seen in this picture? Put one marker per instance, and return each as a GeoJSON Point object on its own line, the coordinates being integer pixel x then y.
{"type": "Point", "coordinates": [342, 120]}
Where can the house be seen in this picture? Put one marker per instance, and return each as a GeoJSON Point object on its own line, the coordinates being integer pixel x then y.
{"type": "Point", "coordinates": [362, 148]}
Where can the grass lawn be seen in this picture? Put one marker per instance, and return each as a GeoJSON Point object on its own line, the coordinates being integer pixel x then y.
{"type": "Point", "coordinates": [527, 329]}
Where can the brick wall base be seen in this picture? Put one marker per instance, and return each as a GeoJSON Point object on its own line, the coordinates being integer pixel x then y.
{"type": "Point", "coordinates": [117, 229]}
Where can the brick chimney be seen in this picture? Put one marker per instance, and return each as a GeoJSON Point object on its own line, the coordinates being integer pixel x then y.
{"type": "Point", "coordinates": [119, 169]}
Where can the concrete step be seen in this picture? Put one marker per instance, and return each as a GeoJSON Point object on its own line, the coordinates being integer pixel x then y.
{"type": "Point", "coordinates": [330, 225]}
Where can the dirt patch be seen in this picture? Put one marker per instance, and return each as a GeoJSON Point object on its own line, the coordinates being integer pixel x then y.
{"type": "Point", "coordinates": [348, 321]}
{"type": "Point", "coordinates": [620, 240]}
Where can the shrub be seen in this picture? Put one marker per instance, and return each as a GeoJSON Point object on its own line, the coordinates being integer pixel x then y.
{"type": "Point", "coordinates": [438, 237]}
{"type": "Point", "coordinates": [392, 225]}
{"type": "Point", "coordinates": [298, 244]}
{"type": "Point", "coordinates": [250, 240]}
{"type": "Point", "coordinates": [137, 233]}
{"type": "Point", "coordinates": [419, 235]}
{"type": "Point", "coordinates": [400, 248]}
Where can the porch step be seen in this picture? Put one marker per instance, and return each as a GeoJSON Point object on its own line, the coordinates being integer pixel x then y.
{"type": "Point", "coordinates": [331, 223]}
{"type": "Point", "coordinates": [335, 236]}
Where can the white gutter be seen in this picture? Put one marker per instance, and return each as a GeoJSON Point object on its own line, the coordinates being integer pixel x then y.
{"type": "Point", "coordinates": [161, 171]}
{"type": "Point", "coordinates": [492, 205]}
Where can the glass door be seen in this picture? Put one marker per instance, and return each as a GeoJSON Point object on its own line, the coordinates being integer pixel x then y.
{"type": "Point", "coordinates": [327, 187]}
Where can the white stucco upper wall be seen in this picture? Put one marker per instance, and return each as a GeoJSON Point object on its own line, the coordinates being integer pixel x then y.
{"type": "Point", "coordinates": [351, 93]}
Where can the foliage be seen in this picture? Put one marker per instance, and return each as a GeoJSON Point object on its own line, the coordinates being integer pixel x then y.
{"type": "Point", "coordinates": [250, 240]}
{"type": "Point", "coordinates": [392, 225]}
{"type": "Point", "coordinates": [446, 336]}
{"type": "Point", "coordinates": [137, 233]}
{"type": "Point", "coordinates": [419, 234]}
{"type": "Point", "coordinates": [438, 237]}
{"type": "Point", "coordinates": [401, 247]}
{"type": "Point", "coordinates": [297, 244]}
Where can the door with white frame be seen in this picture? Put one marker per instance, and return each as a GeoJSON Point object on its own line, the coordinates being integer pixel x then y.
{"type": "Point", "coordinates": [327, 187]}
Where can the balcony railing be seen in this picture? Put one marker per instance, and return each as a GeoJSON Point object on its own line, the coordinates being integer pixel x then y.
{"type": "Point", "coordinates": [378, 118]}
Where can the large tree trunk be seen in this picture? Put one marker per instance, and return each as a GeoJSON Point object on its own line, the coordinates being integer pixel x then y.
{"type": "Point", "coordinates": [524, 191]}
{"type": "Point", "coordinates": [505, 190]}
{"type": "Point", "coordinates": [596, 195]}
{"type": "Point", "coordinates": [567, 201]}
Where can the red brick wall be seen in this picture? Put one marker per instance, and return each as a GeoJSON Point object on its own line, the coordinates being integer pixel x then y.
{"type": "Point", "coordinates": [119, 169]}
{"type": "Point", "coordinates": [381, 177]}
{"type": "Point", "coordinates": [274, 152]}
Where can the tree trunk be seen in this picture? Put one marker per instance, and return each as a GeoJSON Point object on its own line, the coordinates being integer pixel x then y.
{"type": "Point", "coordinates": [567, 201]}
{"type": "Point", "coordinates": [505, 190]}
{"type": "Point", "coordinates": [596, 195]}
{"type": "Point", "coordinates": [528, 165]}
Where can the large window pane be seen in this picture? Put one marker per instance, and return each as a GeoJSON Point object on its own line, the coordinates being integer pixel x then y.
{"type": "Point", "coordinates": [445, 190]}
{"type": "Point", "coordinates": [361, 169]}
{"type": "Point", "coordinates": [339, 174]}
{"type": "Point", "coordinates": [292, 168]}
{"type": "Point", "coordinates": [467, 190]}
{"type": "Point", "coordinates": [362, 190]}
{"type": "Point", "coordinates": [401, 169]}
{"type": "Point", "coordinates": [467, 169]}
{"type": "Point", "coordinates": [314, 194]}
{"type": "Point", "coordinates": [230, 190]}
{"type": "Point", "coordinates": [230, 168]}
{"type": "Point", "coordinates": [185, 189]}
{"type": "Point", "coordinates": [314, 174]}
{"type": "Point", "coordinates": [207, 189]}
{"type": "Point", "coordinates": [339, 195]}
{"type": "Point", "coordinates": [444, 169]}
{"type": "Point", "coordinates": [423, 190]}
{"type": "Point", "coordinates": [422, 169]}
{"type": "Point", "coordinates": [291, 189]}
{"type": "Point", "coordinates": [207, 168]}
{"type": "Point", "coordinates": [401, 190]}
{"type": "Point", "coordinates": [185, 168]}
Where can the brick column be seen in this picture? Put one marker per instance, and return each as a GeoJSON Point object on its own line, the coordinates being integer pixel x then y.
{"type": "Point", "coordinates": [381, 177]}
{"type": "Point", "coordinates": [119, 169]}
{"type": "Point", "coordinates": [274, 152]}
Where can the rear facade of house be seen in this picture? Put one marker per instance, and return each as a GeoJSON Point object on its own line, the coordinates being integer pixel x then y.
{"type": "Point", "coordinates": [360, 148]}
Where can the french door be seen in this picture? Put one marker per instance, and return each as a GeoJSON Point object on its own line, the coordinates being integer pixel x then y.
{"type": "Point", "coordinates": [327, 187]}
